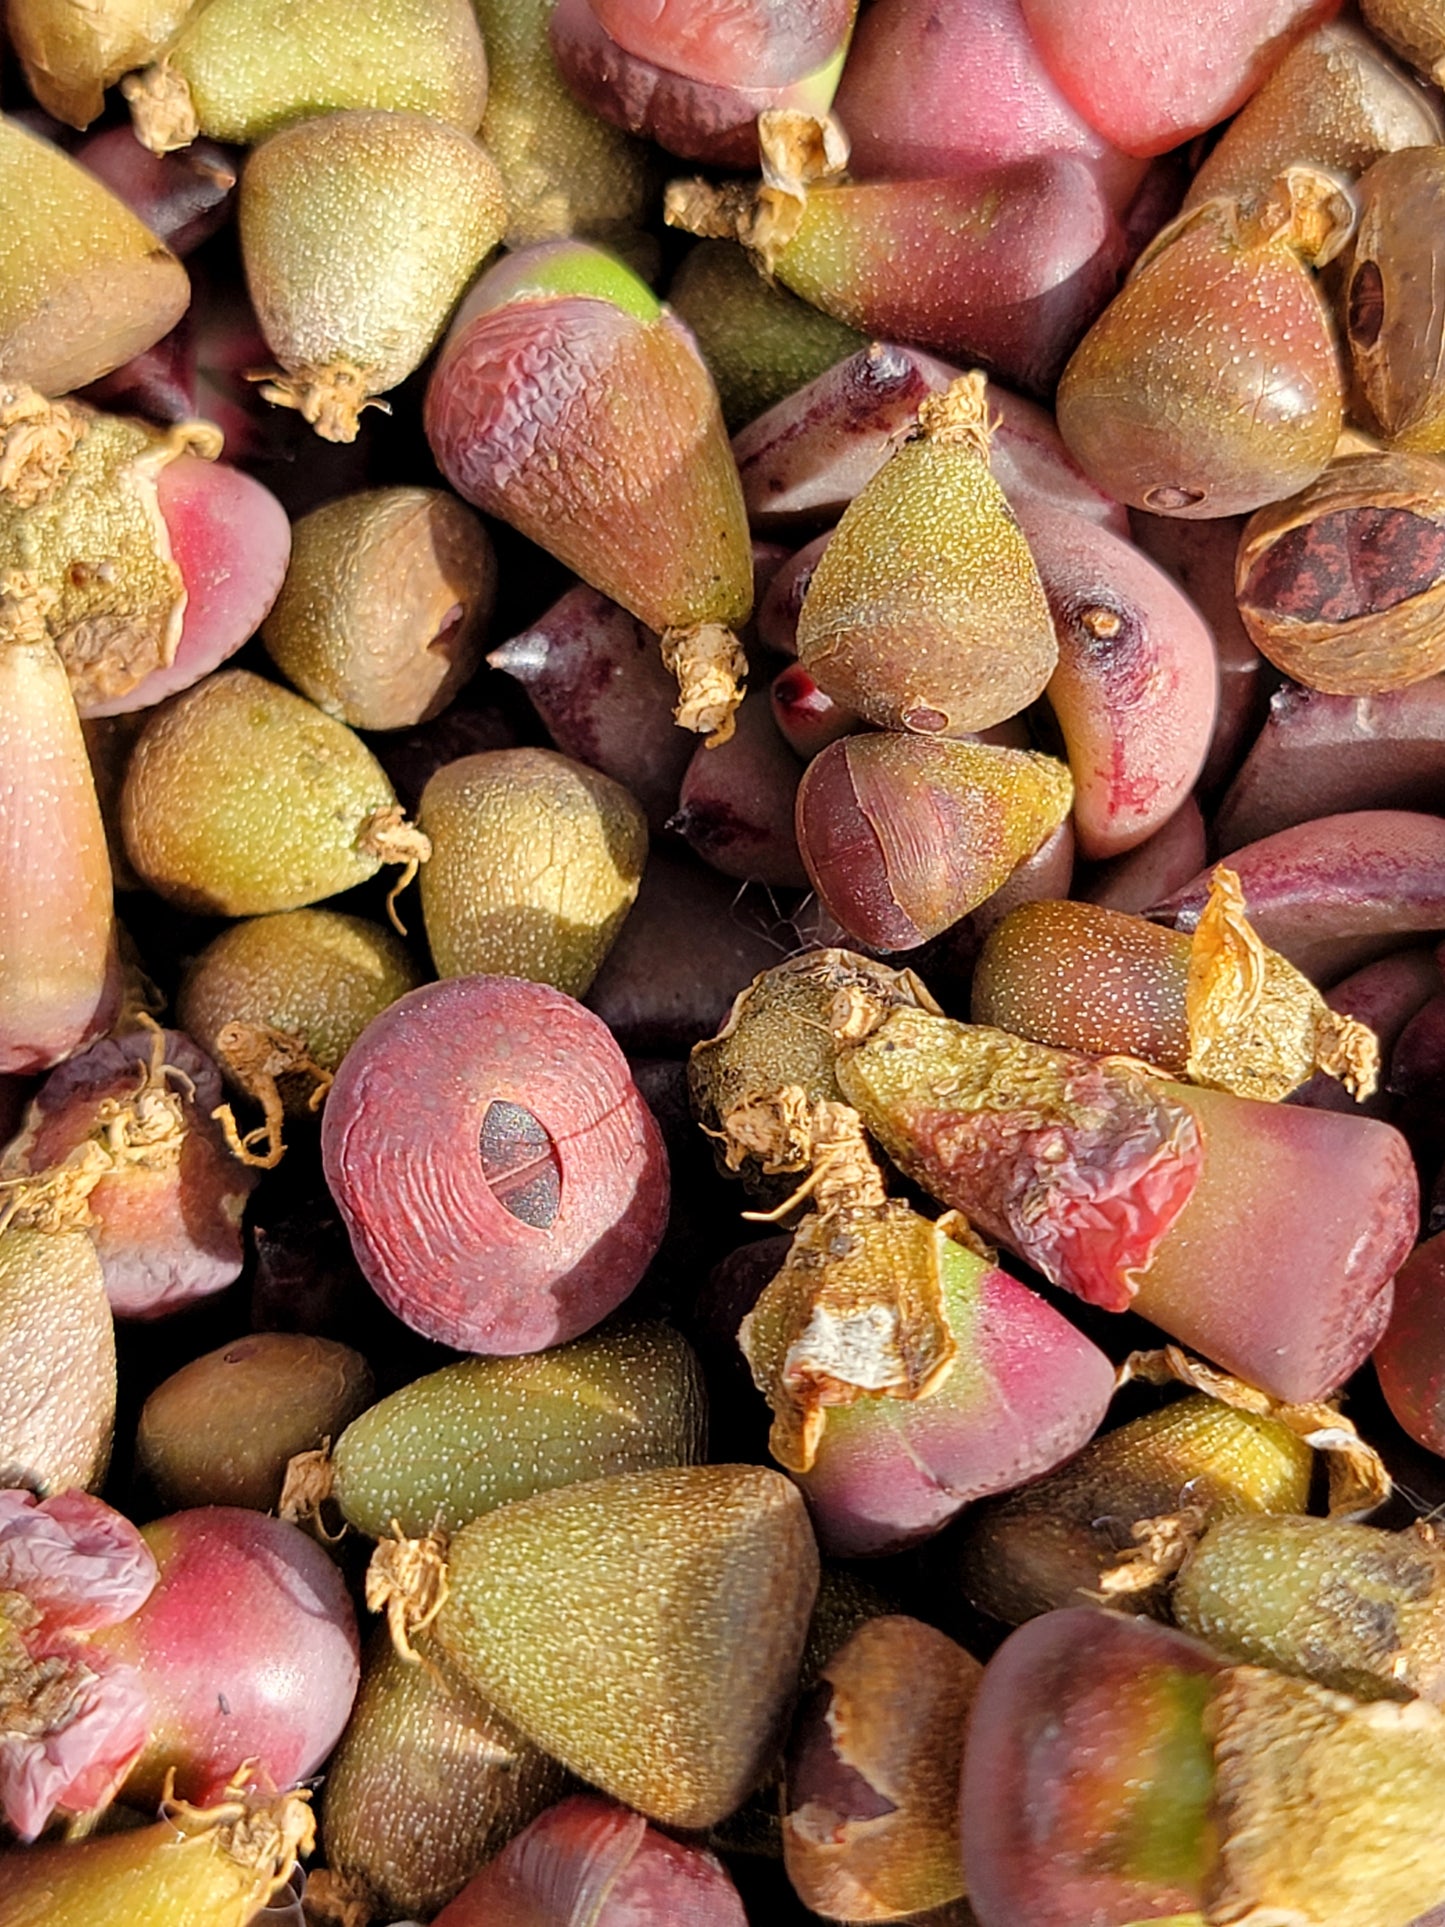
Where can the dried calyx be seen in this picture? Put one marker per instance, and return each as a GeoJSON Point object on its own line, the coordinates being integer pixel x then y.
{"type": "Point", "coordinates": [260, 1059]}
{"type": "Point", "coordinates": [162, 111]}
{"type": "Point", "coordinates": [145, 1130]}
{"type": "Point", "coordinates": [857, 1309]}
{"type": "Point", "coordinates": [331, 399]}
{"type": "Point", "coordinates": [387, 835]}
{"type": "Point", "coordinates": [1358, 1480]}
{"type": "Point", "coordinates": [1306, 209]}
{"type": "Point", "coordinates": [407, 1580]}
{"type": "Point", "coordinates": [799, 152]}
{"type": "Point", "coordinates": [711, 668]}
{"type": "Point", "coordinates": [266, 1837]}
{"type": "Point", "coordinates": [77, 485]}
{"type": "Point", "coordinates": [1257, 1026]}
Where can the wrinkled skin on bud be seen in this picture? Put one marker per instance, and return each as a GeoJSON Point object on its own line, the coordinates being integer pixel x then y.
{"type": "Point", "coordinates": [870, 1807]}
{"type": "Point", "coordinates": [694, 76]}
{"type": "Point", "coordinates": [1132, 1190]}
{"type": "Point", "coordinates": [1244, 404]}
{"type": "Point", "coordinates": [903, 835]}
{"type": "Point", "coordinates": [567, 402]}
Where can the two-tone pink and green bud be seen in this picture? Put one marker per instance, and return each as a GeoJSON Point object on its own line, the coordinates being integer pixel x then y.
{"type": "Point", "coordinates": [570, 403]}
{"type": "Point", "coordinates": [694, 76]}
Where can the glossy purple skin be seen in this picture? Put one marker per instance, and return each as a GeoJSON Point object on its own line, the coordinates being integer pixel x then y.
{"type": "Point", "coordinates": [1027, 1392]}
{"type": "Point", "coordinates": [1136, 686]}
{"type": "Point", "coordinates": [782, 604]}
{"type": "Point", "coordinates": [1384, 995]}
{"type": "Point", "coordinates": [1335, 892]}
{"type": "Point", "coordinates": [1410, 1358]}
{"type": "Point", "coordinates": [686, 950]}
{"type": "Point", "coordinates": [735, 809]}
{"type": "Point", "coordinates": [694, 76]}
{"type": "Point", "coordinates": [1319, 755]}
{"type": "Point", "coordinates": [807, 719]}
{"type": "Point", "coordinates": [183, 197]}
{"type": "Point", "coordinates": [1201, 556]}
{"type": "Point", "coordinates": [401, 1152]}
{"type": "Point", "coordinates": [596, 677]}
{"type": "Point", "coordinates": [1172, 855]}
{"type": "Point", "coordinates": [804, 459]}
{"type": "Point", "coordinates": [1060, 1711]}
{"type": "Point", "coordinates": [911, 64]}
{"type": "Point", "coordinates": [587, 1859]}
{"type": "Point", "coordinates": [247, 1648]}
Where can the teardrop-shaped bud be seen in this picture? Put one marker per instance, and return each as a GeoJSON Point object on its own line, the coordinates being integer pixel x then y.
{"type": "Point", "coordinates": [1217, 1007]}
{"type": "Point", "coordinates": [562, 367]}
{"type": "Point", "coordinates": [359, 232]}
{"type": "Point", "coordinates": [1244, 403]}
{"type": "Point", "coordinates": [1005, 266]}
{"type": "Point", "coordinates": [903, 835]}
{"type": "Point", "coordinates": [63, 237]}
{"type": "Point", "coordinates": [925, 611]}
{"type": "Point", "coordinates": [1052, 1544]}
{"type": "Point", "coordinates": [535, 862]}
{"type": "Point", "coordinates": [646, 1630]}
{"type": "Point", "coordinates": [238, 71]}
{"type": "Point", "coordinates": [241, 798]}
{"type": "Point", "coordinates": [485, 1431]}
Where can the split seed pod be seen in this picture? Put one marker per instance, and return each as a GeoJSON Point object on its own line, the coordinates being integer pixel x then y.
{"type": "Point", "coordinates": [1393, 315]}
{"type": "Point", "coordinates": [1343, 585]}
{"type": "Point", "coordinates": [569, 402]}
{"type": "Point", "coordinates": [925, 611]}
{"type": "Point", "coordinates": [86, 286]}
{"type": "Point", "coordinates": [359, 232]}
{"type": "Point", "coordinates": [870, 1811]}
{"type": "Point", "coordinates": [1210, 385]}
